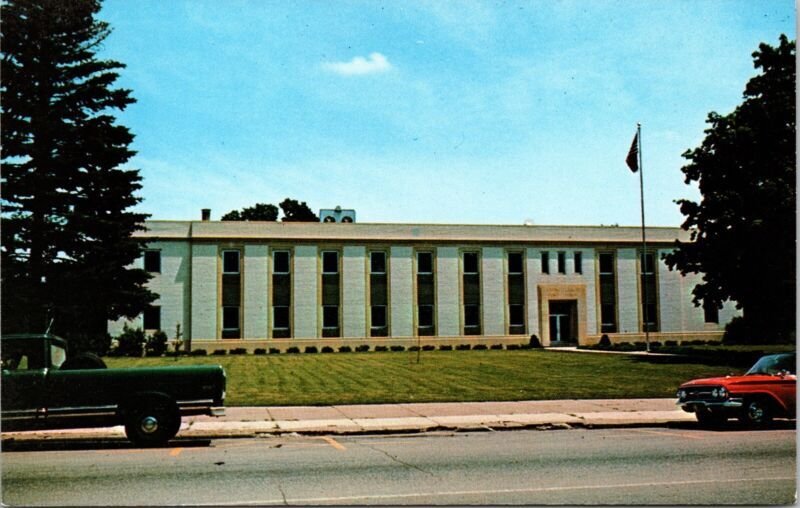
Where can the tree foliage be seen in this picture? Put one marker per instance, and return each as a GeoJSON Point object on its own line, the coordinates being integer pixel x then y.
{"type": "Point", "coordinates": [293, 211]}
{"type": "Point", "coordinates": [67, 229]}
{"type": "Point", "coordinates": [743, 229]}
{"type": "Point", "coordinates": [257, 212]}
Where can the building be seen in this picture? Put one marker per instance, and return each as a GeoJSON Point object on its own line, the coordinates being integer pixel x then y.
{"type": "Point", "coordinates": [271, 284]}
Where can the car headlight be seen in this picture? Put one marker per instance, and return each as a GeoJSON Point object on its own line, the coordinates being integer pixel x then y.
{"type": "Point", "coordinates": [723, 393]}
{"type": "Point", "coordinates": [681, 394]}
{"type": "Point", "coordinates": [715, 393]}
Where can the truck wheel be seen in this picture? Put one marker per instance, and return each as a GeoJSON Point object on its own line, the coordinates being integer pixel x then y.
{"type": "Point", "coordinates": [83, 361]}
{"type": "Point", "coordinates": [756, 413]}
{"type": "Point", "coordinates": [708, 418]}
{"type": "Point", "coordinates": [152, 422]}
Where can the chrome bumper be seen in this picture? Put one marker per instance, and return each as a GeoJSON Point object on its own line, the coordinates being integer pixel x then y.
{"type": "Point", "coordinates": [691, 406]}
{"type": "Point", "coordinates": [217, 411]}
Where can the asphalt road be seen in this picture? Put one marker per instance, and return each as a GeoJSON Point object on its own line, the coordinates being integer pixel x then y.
{"type": "Point", "coordinates": [630, 466]}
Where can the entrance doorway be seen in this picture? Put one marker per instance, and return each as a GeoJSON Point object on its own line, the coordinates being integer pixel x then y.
{"type": "Point", "coordinates": [563, 322]}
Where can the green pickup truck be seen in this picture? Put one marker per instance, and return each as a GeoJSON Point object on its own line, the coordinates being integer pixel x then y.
{"type": "Point", "coordinates": [43, 389]}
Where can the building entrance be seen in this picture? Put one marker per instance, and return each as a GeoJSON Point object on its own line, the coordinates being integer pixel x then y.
{"type": "Point", "coordinates": [563, 322]}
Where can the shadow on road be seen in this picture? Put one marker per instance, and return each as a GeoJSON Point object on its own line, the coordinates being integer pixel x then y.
{"type": "Point", "coordinates": [40, 445]}
{"type": "Point", "coordinates": [736, 426]}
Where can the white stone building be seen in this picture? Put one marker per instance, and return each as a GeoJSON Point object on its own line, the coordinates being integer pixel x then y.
{"type": "Point", "coordinates": [277, 285]}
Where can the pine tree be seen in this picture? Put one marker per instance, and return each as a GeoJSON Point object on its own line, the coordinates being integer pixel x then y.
{"type": "Point", "coordinates": [67, 242]}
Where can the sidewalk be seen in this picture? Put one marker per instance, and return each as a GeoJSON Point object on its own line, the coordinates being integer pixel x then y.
{"type": "Point", "coordinates": [407, 418]}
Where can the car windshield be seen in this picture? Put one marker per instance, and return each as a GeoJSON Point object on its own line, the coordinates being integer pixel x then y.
{"type": "Point", "coordinates": [773, 364]}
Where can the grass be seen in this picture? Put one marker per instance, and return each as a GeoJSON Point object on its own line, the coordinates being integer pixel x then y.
{"type": "Point", "coordinates": [467, 376]}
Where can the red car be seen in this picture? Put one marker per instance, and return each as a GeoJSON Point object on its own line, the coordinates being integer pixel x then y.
{"type": "Point", "coordinates": [767, 390]}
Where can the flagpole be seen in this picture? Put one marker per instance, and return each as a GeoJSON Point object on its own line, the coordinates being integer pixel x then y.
{"type": "Point", "coordinates": [643, 259]}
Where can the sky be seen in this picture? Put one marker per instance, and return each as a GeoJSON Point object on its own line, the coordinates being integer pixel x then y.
{"type": "Point", "coordinates": [463, 112]}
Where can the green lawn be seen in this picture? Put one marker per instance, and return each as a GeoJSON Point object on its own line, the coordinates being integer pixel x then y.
{"type": "Point", "coordinates": [394, 377]}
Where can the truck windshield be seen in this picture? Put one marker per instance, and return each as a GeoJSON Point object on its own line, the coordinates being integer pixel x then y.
{"type": "Point", "coordinates": [57, 355]}
{"type": "Point", "coordinates": [773, 364]}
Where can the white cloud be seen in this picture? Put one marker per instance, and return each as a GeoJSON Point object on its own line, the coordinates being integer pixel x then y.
{"type": "Point", "coordinates": [359, 65]}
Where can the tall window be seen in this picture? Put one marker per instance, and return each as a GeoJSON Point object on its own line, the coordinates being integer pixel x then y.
{"type": "Point", "coordinates": [231, 294]}
{"type": "Point", "coordinates": [426, 295]}
{"type": "Point", "coordinates": [578, 259]}
{"type": "Point", "coordinates": [562, 262]}
{"type": "Point", "coordinates": [649, 291]}
{"type": "Point", "coordinates": [608, 293]}
{"type": "Point", "coordinates": [516, 294]}
{"type": "Point", "coordinates": [545, 262]}
{"type": "Point", "coordinates": [710, 313]}
{"type": "Point", "coordinates": [331, 284]}
{"type": "Point", "coordinates": [471, 293]}
{"type": "Point", "coordinates": [152, 261]}
{"type": "Point", "coordinates": [281, 294]}
{"type": "Point", "coordinates": [378, 294]}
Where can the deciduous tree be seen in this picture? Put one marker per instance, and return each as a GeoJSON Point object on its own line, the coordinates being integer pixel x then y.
{"type": "Point", "coordinates": [743, 230]}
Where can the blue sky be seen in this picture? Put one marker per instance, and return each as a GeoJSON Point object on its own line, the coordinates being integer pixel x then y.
{"type": "Point", "coordinates": [431, 112]}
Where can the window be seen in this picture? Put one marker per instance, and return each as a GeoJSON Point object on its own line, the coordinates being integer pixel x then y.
{"type": "Point", "coordinates": [545, 262]}
{"type": "Point", "coordinates": [330, 261]}
{"type": "Point", "coordinates": [470, 262]}
{"type": "Point", "coordinates": [280, 261]}
{"type": "Point", "coordinates": [514, 262]}
{"type": "Point", "coordinates": [424, 262]}
{"type": "Point", "coordinates": [425, 317]}
{"type": "Point", "coordinates": [711, 313]}
{"type": "Point", "coordinates": [562, 262]}
{"type": "Point", "coordinates": [330, 316]}
{"type": "Point", "coordinates": [230, 318]}
{"type": "Point", "coordinates": [280, 317]}
{"type": "Point", "coordinates": [151, 319]}
{"type": "Point", "coordinates": [578, 258]}
{"type": "Point", "coordinates": [649, 291]}
{"type": "Point", "coordinates": [608, 293]}
{"type": "Point", "coordinates": [377, 262]}
{"type": "Point", "coordinates": [472, 319]}
{"type": "Point", "coordinates": [230, 261]}
{"type": "Point", "coordinates": [516, 315]}
{"type": "Point", "coordinates": [152, 261]}
{"type": "Point", "coordinates": [378, 316]}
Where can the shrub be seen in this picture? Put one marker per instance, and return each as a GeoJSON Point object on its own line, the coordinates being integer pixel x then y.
{"type": "Point", "coordinates": [198, 352]}
{"type": "Point", "coordinates": [398, 348]}
{"type": "Point", "coordinates": [512, 347]}
{"type": "Point", "coordinates": [311, 349]}
{"type": "Point", "coordinates": [274, 351]}
{"type": "Point", "coordinates": [496, 346]}
{"type": "Point", "coordinates": [671, 343]}
{"type": "Point", "coordinates": [381, 348]}
{"type": "Point", "coordinates": [604, 341]}
{"type": "Point", "coordinates": [480, 346]}
{"type": "Point", "coordinates": [445, 347]}
{"type": "Point", "coordinates": [220, 352]}
{"type": "Point", "coordinates": [626, 346]}
{"type": "Point", "coordinates": [238, 351]}
{"type": "Point", "coordinates": [156, 344]}
{"type": "Point", "coordinates": [534, 342]}
{"type": "Point", "coordinates": [428, 347]}
{"type": "Point", "coordinates": [345, 349]}
{"type": "Point", "coordinates": [293, 350]}
{"type": "Point", "coordinates": [259, 351]}
{"type": "Point", "coordinates": [327, 349]}
{"type": "Point", "coordinates": [655, 345]}
{"type": "Point", "coordinates": [414, 348]}
{"type": "Point", "coordinates": [130, 342]}
{"type": "Point", "coordinates": [362, 348]}
{"type": "Point", "coordinates": [463, 347]}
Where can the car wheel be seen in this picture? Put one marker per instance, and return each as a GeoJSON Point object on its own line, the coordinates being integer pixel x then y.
{"type": "Point", "coordinates": [756, 412]}
{"type": "Point", "coordinates": [708, 418]}
{"type": "Point", "coordinates": [152, 422]}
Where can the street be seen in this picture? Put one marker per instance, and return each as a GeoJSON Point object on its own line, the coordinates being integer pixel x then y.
{"type": "Point", "coordinates": [611, 466]}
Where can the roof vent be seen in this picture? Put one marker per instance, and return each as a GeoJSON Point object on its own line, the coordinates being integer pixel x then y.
{"type": "Point", "coordinates": [205, 214]}
{"type": "Point", "coordinates": [337, 215]}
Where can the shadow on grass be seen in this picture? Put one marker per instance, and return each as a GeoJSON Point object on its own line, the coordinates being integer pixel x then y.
{"type": "Point", "coordinates": [734, 359]}
{"type": "Point", "coordinates": [49, 445]}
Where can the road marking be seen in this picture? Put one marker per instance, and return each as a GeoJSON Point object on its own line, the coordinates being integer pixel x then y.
{"type": "Point", "coordinates": [175, 452]}
{"type": "Point", "coordinates": [333, 443]}
{"type": "Point", "coordinates": [660, 433]}
{"type": "Point", "coordinates": [378, 497]}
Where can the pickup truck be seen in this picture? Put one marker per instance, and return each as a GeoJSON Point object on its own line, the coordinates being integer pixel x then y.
{"type": "Point", "coordinates": [43, 389]}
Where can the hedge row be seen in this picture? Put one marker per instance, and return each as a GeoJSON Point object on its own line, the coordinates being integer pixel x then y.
{"type": "Point", "coordinates": [361, 348]}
